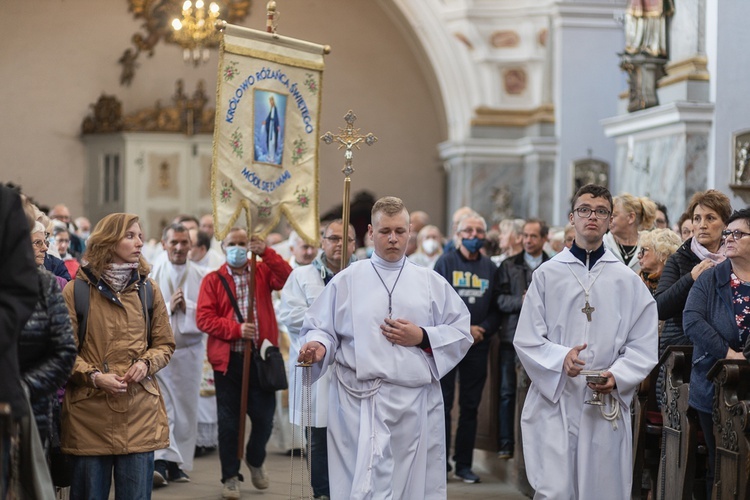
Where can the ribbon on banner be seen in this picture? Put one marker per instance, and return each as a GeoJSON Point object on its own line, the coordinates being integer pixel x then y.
{"type": "Point", "coordinates": [265, 151]}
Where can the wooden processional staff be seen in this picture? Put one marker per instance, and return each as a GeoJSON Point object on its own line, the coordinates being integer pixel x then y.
{"type": "Point", "coordinates": [271, 14]}
{"type": "Point", "coordinates": [349, 138]}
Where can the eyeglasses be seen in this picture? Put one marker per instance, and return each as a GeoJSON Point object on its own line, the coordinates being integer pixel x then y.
{"type": "Point", "coordinates": [39, 243]}
{"type": "Point", "coordinates": [736, 234]}
{"type": "Point", "coordinates": [335, 240]}
{"type": "Point", "coordinates": [642, 252]}
{"type": "Point", "coordinates": [585, 212]}
{"type": "Point", "coordinates": [469, 230]}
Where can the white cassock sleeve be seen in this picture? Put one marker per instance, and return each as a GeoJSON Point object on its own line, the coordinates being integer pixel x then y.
{"type": "Point", "coordinates": [450, 337]}
{"type": "Point", "coordinates": [293, 304]}
{"type": "Point", "coordinates": [541, 358]}
{"type": "Point", "coordinates": [641, 350]}
{"type": "Point", "coordinates": [319, 325]}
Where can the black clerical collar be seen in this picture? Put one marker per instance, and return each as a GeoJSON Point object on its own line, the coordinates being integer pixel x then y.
{"type": "Point", "coordinates": [581, 254]}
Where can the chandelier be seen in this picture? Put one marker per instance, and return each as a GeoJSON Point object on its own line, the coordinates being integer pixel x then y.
{"type": "Point", "coordinates": [195, 35]}
{"type": "Point", "coordinates": [195, 31]}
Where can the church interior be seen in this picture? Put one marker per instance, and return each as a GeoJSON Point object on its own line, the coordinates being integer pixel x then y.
{"type": "Point", "coordinates": [506, 106]}
{"type": "Point", "coordinates": [503, 105]}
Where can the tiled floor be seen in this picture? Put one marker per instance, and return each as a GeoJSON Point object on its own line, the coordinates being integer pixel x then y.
{"type": "Point", "coordinates": [205, 481]}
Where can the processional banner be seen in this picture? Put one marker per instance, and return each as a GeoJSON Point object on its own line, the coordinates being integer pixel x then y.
{"type": "Point", "coordinates": [265, 150]}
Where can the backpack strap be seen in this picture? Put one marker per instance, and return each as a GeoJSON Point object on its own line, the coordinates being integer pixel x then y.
{"type": "Point", "coordinates": [81, 301]}
{"type": "Point", "coordinates": [146, 294]}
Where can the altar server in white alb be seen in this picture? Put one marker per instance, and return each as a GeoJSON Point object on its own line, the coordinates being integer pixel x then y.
{"type": "Point", "coordinates": [584, 311]}
{"type": "Point", "coordinates": [179, 280]}
{"type": "Point", "coordinates": [301, 289]}
{"type": "Point", "coordinates": [388, 330]}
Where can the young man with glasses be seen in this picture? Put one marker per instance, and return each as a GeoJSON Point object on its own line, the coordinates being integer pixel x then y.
{"type": "Point", "coordinates": [475, 278]}
{"type": "Point", "coordinates": [584, 310]}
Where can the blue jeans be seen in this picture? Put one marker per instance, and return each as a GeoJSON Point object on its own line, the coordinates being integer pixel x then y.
{"type": "Point", "coordinates": [507, 410]}
{"type": "Point", "coordinates": [472, 373]}
{"type": "Point", "coordinates": [260, 408]}
{"type": "Point", "coordinates": [92, 476]}
{"type": "Point", "coordinates": [318, 437]}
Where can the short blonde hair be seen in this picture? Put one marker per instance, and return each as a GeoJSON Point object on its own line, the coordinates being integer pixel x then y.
{"type": "Point", "coordinates": [663, 242]}
{"type": "Point", "coordinates": [389, 205]}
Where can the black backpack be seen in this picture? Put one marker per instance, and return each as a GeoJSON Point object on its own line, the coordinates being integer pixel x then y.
{"type": "Point", "coordinates": [81, 300]}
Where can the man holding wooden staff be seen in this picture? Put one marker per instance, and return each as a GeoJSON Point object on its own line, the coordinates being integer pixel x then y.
{"type": "Point", "coordinates": [228, 346]}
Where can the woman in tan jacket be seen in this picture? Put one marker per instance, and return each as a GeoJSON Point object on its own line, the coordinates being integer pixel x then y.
{"type": "Point", "coordinates": [113, 413]}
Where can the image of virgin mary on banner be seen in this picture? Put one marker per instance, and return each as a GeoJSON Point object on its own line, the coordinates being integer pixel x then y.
{"type": "Point", "coordinates": [265, 158]}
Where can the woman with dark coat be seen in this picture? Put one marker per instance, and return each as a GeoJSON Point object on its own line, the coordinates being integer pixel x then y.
{"type": "Point", "coordinates": [709, 211]}
{"type": "Point", "coordinates": [46, 349]}
{"type": "Point", "coordinates": [717, 321]}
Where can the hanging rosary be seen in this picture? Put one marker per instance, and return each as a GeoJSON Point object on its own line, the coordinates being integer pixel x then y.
{"type": "Point", "coordinates": [305, 429]}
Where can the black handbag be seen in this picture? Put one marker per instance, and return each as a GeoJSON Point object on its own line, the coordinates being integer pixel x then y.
{"type": "Point", "coordinates": [272, 370]}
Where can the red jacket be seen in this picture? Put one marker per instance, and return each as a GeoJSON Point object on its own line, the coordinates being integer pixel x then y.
{"type": "Point", "coordinates": [215, 314]}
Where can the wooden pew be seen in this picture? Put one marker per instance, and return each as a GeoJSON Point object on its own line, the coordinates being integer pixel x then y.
{"type": "Point", "coordinates": [646, 437]}
{"type": "Point", "coordinates": [681, 456]}
{"type": "Point", "coordinates": [731, 429]}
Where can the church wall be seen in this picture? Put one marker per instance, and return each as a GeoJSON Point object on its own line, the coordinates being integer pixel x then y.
{"type": "Point", "coordinates": [57, 57]}
{"type": "Point", "coordinates": [730, 72]}
{"type": "Point", "coordinates": [587, 75]}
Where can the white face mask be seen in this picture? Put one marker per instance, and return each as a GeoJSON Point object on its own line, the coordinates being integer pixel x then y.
{"type": "Point", "coordinates": [430, 246]}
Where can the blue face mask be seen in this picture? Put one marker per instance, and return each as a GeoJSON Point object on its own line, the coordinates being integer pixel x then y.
{"type": "Point", "coordinates": [236, 256]}
{"type": "Point", "coordinates": [369, 251]}
{"type": "Point", "coordinates": [472, 244]}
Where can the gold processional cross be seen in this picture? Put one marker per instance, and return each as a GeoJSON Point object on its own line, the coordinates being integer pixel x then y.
{"type": "Point", "coordinates": [348, 138]}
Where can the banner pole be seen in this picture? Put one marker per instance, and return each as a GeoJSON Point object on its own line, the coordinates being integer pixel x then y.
{"type": "Point", "coordinates": [246, 361]}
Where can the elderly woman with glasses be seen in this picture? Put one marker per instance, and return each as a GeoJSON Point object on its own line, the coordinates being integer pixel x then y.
{"type": "Point", "coordinates": [46, 349]}
{"type": "Point", "coordinates": [717, 321]}
{"type": "Point", "coordinates": [656, 247]}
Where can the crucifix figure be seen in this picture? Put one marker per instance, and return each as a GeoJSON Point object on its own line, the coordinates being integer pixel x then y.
{"type": "Point", "coordinates": [348, 138]}
{"type": "Point", "coordinates": [587, 311]}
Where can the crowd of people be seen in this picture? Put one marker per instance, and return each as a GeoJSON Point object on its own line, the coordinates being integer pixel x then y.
{"type": "Point", "coordinates": [124, 358]}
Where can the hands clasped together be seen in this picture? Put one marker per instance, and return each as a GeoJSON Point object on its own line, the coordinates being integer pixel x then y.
{"type": "Point", "coordinates": [114, 384]}
{"type": "Point", "coordinates": [573, 366]}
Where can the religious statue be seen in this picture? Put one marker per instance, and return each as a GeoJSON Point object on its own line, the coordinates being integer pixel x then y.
{"type": "Point", "coordinates": [502, 203]}
{"type": "Point", "coordinates": [128, 67]}
{"type": "Point", "coordinates": [742, 158]}
{"type": "Point", "coordinates": [646, 27]}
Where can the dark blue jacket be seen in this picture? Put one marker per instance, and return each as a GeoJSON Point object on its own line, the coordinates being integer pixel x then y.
{"type": "Point", "coordinates": [710, 324]}
{"type": "Point", "coordinates": [56, 266]}
{"type": "Point", "coordinates": [476, 282]}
